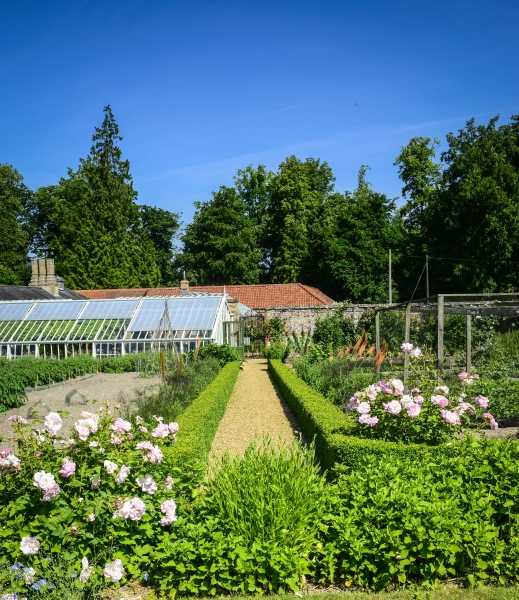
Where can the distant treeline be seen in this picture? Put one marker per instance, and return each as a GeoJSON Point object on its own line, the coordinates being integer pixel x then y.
{"type": "Point", "coordinates": [461, 208]}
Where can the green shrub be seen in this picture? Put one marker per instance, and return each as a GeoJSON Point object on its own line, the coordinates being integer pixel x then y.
{"type": "Point", "coordinates": [330, 428]}
{"type": "Point", "coordinates": [200, 420]}
{"type": "Point", "coordinates": [277, 350]}
{"type": "Point", "coordinates": [405, 521]}
{"type": "Point", "coordinates": [222, 352]}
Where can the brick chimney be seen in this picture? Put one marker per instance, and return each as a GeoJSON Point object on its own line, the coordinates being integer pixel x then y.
{"type": "Point", "coordinates": [232, 303]}
{"type": "Point", "coordinates": [43, 275]}
{"type": "Point", "coordinates": [184, 284]}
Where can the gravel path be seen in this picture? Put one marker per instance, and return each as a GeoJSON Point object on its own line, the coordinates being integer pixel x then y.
{"type": "Point", "coordinates": [256, 408]}
{"type": "Point", "coordinates": [120, 387]}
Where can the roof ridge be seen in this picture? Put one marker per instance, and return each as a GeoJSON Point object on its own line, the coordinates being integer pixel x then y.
{"type": "Point", "coordinates": [310, 291]}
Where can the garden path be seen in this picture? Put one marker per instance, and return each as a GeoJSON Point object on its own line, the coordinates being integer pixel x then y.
{"type": "Point", "coordinates": [256, 408]}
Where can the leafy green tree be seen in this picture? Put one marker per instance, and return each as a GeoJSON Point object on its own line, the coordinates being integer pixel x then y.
{"type": "Point", "coordinates": [349, 244]}
{"type": "Point", "coordinates": [470, 215]}
{"type": "Point", "coordinates": [220, 245]}
{"type": "Point", "coordinates": [102, 242]}
{"type": "Point", "coordinates": [14, 241]}
{"type": "Point", "coordinates": [298, 193]}
{"type": "Point", "coordinates": [162, 227]}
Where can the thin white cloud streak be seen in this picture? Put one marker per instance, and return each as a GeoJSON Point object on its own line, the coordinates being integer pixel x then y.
{"type": "Point", "coordinates": [222, 166]}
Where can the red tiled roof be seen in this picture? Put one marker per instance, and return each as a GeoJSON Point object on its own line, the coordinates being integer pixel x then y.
{"type": "Point", "coordinates": [255, 296]}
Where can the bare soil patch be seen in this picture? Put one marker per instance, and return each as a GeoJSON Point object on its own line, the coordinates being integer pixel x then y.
{"type": "Point", "coordinates": [114, 387]}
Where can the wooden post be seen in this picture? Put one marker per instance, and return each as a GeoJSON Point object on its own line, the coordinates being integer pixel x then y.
{"type": "Point", "coordinates": [469, 343]}
{"type": "Point", "coordinates": [407, 339]}
{"type": "Point", "coordinates": [377, 332]}
{"type": "Point", "coordinates": [441, 306]}
{"type": "Point", "coordinates": [390, 284]}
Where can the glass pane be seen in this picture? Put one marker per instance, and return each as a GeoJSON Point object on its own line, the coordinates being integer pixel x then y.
{"type": "Point", "coordinates": [109, 309]}
{"type": "Point", "coordinates": [12, 311]}
{"type": "Point", "coordinates": [55, 310]}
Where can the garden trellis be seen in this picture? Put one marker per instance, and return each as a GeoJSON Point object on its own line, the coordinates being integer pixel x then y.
{"type": "Point", "coordinates": [61, 328]}
{"type": "Point", "coordinates": [470, 305]}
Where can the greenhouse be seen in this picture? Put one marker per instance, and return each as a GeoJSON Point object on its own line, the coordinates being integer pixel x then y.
{"type": "Point", "coordinates": [62, 328]}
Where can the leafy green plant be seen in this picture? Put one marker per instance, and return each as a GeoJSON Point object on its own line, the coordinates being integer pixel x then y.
{"type": "Point", "coordinates": [271, 495]}
{"type": "Point", "coordinates": [223, 353]}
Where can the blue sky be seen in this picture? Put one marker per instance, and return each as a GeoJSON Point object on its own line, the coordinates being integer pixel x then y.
{"type": "Point", "coordinates": [200, 89]}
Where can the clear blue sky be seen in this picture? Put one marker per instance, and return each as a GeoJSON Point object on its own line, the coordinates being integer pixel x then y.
{"type": "Point", "coordinates": [200, 89]}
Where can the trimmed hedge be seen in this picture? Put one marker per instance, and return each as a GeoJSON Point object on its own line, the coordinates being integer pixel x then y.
{"type": "Point", "coordinates": [199, 422]}
{"type": "Point", "coordinates": [330, 428]}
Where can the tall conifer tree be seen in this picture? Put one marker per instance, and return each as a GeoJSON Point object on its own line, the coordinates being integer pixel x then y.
{"type": "Point", "coordinates": [103, 242]}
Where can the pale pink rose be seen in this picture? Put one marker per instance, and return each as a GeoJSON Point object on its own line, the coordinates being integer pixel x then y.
{"type": "Point", "coordinates": [481, 401]}
{"type": "Point", "coordinates": [441, 389]}
{"type": "Point", "coordinates": [406, 399]}
{"type": "Point", "coordinates": [132, 509]}
{"type": "Point", "coordinates": [452, 418]}
{"type": "Point", "coordinates": [151, 453]}
{"type": "Point", "coordinates": [53, 423]}
{"type": "Point", "coordinates": [463, 375]}
{"type": "Point", "coordinates": [143, 429]}
{"type": "Point", "coordinates": [82, 430]}
{"type": "Point", "coordinates": [398, 386]}
{"type": "Point", "coordinates": [494, 425]}
{"type": "Point", "coordinates": [51, 492]}
{"type": "Point", "coordinates": [160, 431]}
{"type": "Point", "coordinates": [130, 436]}
{"type": "Point", "coordinates": [439, 401]}
{"type": "Point", "coordinates": [406, 347]}
{"type": "Point", "coordinates": [91, 517]}
{"type": "Point", "coordinates": [120, 425]}
{"type": "Point", "coordinates": [123, 474]}
{"type": "Point", "coordinates": [169, 509]}
{"type": "Point", "coordinates": [9, 463]}
{"type": "Point", "coordinates": [418, 400]}
{"type": "Point", "coordinates": [352, 404]}
{"type": "Point", "coordinates": [115, 439]}
{"type": "Point", "coordinates": [169, 483]}
{"type": "Point", "coordinates": [416, 391]}
{"type": "Point", "coordinates": [371, 392]}
{"type": "Point", "coordinates": [86, 571]}
{"type": "Point", "coordinates": [475, 376]}
{"type": "Point", "coordinates": [415, 353]}
{"type": "Point", "coordinates": [393, 407]}
{"type": "Point", "coordinates": [18, 419]}
{"type": "Point", "coordinates": [174, 427]}
{"type": "Point", "coordinates": [413, 410]}
{"type": "Point", "coordinates": [384, 387]}
{"type": "Point", "coordinates": [147, 484]}
{"type": "Point", "coordinates": [43, 480]}
{"type": "Point", "coordinates": [367, 419]}
{"type": "Point", "coordinates": [68, 467]}
{"type": "Point", "coordinates": [363, 408]}
{"type": "Point", "coordinates": [114, 570]}
{"type": "Point", "coordinates": [464, 407]}
{"type": "Point", "coordinates": [110, 466]}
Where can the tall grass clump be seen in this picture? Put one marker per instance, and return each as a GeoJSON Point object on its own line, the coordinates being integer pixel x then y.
{"type": "Point", "coordinates": [270, 496]}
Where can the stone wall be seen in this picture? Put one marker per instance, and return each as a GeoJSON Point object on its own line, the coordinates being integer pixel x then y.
{"type": "Point", "coordinates": [304, 317]}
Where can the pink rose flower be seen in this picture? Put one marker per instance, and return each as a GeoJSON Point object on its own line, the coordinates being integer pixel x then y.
{"type": "Point", "coordinates": [463, 376]}
{"type": "Point", "coordinates": [406, 347]}
{"type": "Point", "coordinates": [481, 401]}
{"type": "Point", "coordinates": [413, 410]}
{"type": "Point", "coordinates": [452, 418]}
{"type": "Point", "coordinates": [169, 509]}
{"type": "Point", "coordinates": [439, 401]}
{"type": "Point", "coordinates": [151, 453]}
{"type": "Point", "coordinates": [363, 408]}
{"type": "Point", "coordinates": [68, 467]}
{"type": "Point", "coordinates": [393, 407]}
{"type": "Point", "coordinates": [418, 400]}
{"type": "Point", "coordinates": [161, 431]}
{"type": "Point", "coordinates": [120, 425]}
{"type": "Point", "coordinates": [398, 386]}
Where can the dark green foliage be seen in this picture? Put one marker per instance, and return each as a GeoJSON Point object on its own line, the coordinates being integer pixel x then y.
{"type": "Point", "coordinates": [298, 193]}
{"type": "Point", "coordinates": [220, 245]}
{"type": "Point", "coordinates": [199, 421]}
{"type": "Point", "coordinates": [223, 353]}
{"type": "Point", "coordinates": [335, 331]}
{"type": "Point", "coordinates": [330, 428]}
{"type": "Point", "coordinates": [162, 227]}
{"type": "Point", "coordinates": [395, 520]}
{"type": "Point", "coordinates": [350, 242]}
{"type": "Point", "coordinates": [14, 242]}
{"type": "Point", "coordinates": [178, 391]}
{"type": "Point", "coordinates": [467, 208]}
{"type": "Point", "coordinates": [336, 379]}
{"type": "Point", "coordinates": [90, 222]}
{"type": "Point", "coordinates": [18, 374]}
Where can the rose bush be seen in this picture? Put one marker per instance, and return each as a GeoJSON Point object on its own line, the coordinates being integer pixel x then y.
{"type": "Point", "coordinates": [103, 496]}
{"type": "Point", "coordinates": [430, 414]}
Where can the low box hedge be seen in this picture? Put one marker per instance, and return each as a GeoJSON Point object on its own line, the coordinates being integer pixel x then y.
{"type": "Point", "coordinates": [330, 428]}
{"type": "Point", "coordinates": [199, 422]}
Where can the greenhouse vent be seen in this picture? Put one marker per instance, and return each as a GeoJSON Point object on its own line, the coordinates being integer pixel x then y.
{"type": "Point", "coordinates": [61, 328]}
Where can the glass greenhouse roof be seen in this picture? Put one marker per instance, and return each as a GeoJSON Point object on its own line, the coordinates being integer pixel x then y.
{"type": "Point", "coordinates": [44, 321]}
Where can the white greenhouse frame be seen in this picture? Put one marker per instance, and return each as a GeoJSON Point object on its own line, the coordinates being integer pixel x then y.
{"type": "Point", "coordinates": [103, 328]}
